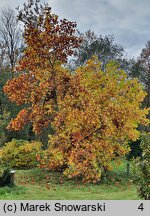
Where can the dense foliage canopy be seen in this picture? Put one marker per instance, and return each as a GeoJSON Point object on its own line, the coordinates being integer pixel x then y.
{"type": "Point", "coordinates": [93, 113]}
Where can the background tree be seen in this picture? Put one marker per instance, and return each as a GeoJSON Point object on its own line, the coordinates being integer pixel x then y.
{"type": "Point", "coordinates": [144, 63]}
{"type": "Point", "coordinates": [11, 43]}
{"type": "Point", "coordinates": [141, 70]}
{"type": "Point", "coordinates": [103, 46]}
{"type": "Point", "coordinates": [10, 35]}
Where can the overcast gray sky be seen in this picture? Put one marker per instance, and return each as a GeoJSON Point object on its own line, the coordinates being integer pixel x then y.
{"type": "Point", "coordinates": [127, 20]}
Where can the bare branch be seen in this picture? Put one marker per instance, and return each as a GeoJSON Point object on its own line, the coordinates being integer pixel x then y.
{"type": "Point", "coordinates": [10, 34]}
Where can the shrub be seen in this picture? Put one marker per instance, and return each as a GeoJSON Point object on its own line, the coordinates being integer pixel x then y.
{"type": "Point", "coordinates": [141, 170]}
{"type": "Point", "coordinates": [20, 154]}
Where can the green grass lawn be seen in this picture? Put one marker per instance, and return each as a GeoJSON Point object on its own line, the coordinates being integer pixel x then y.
{"type": "Point", "coordinates": [38, 185]}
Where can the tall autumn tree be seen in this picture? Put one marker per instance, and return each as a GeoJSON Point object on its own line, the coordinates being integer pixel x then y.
{"type": "Point", "coordinates": [49, 41]}
{"type": "Point", "coordinates": [93, 113]}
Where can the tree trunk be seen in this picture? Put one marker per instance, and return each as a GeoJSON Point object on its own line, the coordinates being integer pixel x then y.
{"type": "Point", "coordinates": [128, 168]}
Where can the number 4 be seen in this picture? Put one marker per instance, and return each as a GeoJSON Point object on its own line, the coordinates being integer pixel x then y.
{"type": "Point", "coordinates": [141, 207]}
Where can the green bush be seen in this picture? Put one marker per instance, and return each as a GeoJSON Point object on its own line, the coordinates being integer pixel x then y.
{"type": "Point", "coordinates": [141, 170]}
{"type": "Point", "coordinates": [20, 154]}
